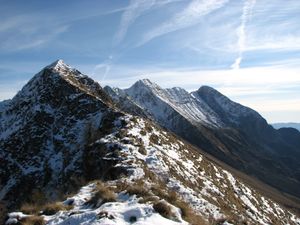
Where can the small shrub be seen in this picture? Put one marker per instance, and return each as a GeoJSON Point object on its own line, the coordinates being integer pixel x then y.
{"type": "Point", "coordinates": [163, 209]}
{"type": "Point", "coordinates": [33, 220]}
{"type": "Point", "coordinates": [103, 194]}
{"type": "Point", "coordinates": [52, 208]}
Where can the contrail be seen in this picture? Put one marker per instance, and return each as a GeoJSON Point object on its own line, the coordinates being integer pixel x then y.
{"type": "Point", "coordinates": [241, 31]}
{"type": "Point", "coordinates": [187, 17]}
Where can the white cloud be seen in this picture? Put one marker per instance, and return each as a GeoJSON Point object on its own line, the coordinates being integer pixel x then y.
{"type": "Point", "coordinates": [241, 31]}
{"type": "Point", "coordinates": [102, 69]}
{"type": "Point", "coordinates": [188, 17]}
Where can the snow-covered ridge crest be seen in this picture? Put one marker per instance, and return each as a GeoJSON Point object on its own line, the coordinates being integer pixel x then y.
{"type": "Point", "coordinates": [58, 64]}
{"type": "Point", "coordinates": [63, 69]}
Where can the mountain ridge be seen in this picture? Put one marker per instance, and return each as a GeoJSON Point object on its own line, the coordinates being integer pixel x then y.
{"type": "Point", "coordinates": [233, 133]}
{"type": "Point", "coordinates": [62, 131]}
{"type": "Point", "coordinates": [286, 125]}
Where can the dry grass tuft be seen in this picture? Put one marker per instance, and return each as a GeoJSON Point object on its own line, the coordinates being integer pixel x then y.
{"type": "Point", "coordinates": [102, 195]}
{"type": "Point", "coordinates": [187, 213]}
{"type": "Point", "coordinates": [47, 209]}
{"type": "Point", "coordinates": [138, 190]}
{"type": "Point", "coordinates": [52, 208]}
{"type": "Point", "coordinates": [163, 209]}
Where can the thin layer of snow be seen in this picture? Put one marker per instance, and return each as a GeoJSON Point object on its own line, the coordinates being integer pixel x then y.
{"type": "Point", "coordinates": [123, 212]}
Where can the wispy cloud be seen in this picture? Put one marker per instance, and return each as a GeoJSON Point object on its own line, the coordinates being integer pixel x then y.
{"type": "Point", "coordinates": [28, 31]}
{"type": "Point", "coordinates": [136, 8]}
{"type": "Point", "coordinates": [31, 41]}
{"type": "Point", "coordinates": [103, 69]}
{"type": "Point", "coordinates": [285, 43]}
{"type": "Point", "coordinates": [241, 32]}
{"type": "Point", "coordinates": [188, 17]}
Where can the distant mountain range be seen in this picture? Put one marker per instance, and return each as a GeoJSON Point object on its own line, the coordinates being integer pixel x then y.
{"type": "Point", "coordinates": [164, 156]}
{"type": "Point", "coordinates": [286, 125]}
{"type": "Point", "coordinates": [234, 134]}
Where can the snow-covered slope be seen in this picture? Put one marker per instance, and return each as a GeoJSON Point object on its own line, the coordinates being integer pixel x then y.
{"type": "Point", "coordinates": [164, 104]}
{"type": "Point", "coordinates": [123, 102]}
{"type": "Point", "coordinates": [162, 168]}
{"type": "Point", "coordinates": [227, 111]}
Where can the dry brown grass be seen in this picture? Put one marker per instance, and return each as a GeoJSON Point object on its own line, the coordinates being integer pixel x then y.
{"type": "Point", "coordinates": [47, 209]}
{"type": "Point", "coordinates": [52, 208]}
{"type": "Point", "coordinates": [138, 190]}
{"type": "Point", "coordinates": [163, 209]}
{"type": "Point", "coordinates": [187, 213]}
{"type": "Point", "coordinates": [33, 220]}
{"type": "Point", "coordinates": [102, 195]}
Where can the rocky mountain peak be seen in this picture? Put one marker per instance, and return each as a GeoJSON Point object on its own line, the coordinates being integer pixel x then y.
{"type": "Point", "coordinates": [223, 106]}
{"type": "Point", "coordinates": [58, 64]}
{"type": "Point", "coordinates": [207, 89]}
{"type": "Point", "coordinates": [145, 84]}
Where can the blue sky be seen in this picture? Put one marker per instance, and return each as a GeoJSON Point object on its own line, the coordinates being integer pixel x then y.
{"type": "Point", "coordinates": [248, 50]}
